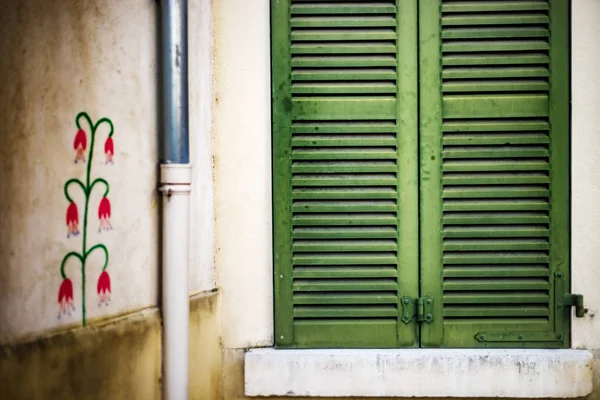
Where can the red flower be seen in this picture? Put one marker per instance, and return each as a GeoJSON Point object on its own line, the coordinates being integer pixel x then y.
{"type": "Point", "coordinates": [104, 214]}
{"type": "Point", "coordinates": [72, 220]}
{"type": "Point", "coordinates": [65, 297]}
{"type": "Point", "coordinates": [79, 145]}
{"type": "Point", "coordinates": [103, 288]}
{"type": "Point", "coordinates": [109, 150]}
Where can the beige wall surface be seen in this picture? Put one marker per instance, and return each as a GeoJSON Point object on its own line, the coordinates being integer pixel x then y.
{"type": "Point", "coordinates": [60, 58]}
{"type": "Point", "coordinates": [242, 148]}
{"type": "Point", "coordinates": [585, 171]}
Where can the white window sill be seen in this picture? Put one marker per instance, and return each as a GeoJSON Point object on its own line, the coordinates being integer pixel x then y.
{"type": "Point", "coordinates": [418, 373]}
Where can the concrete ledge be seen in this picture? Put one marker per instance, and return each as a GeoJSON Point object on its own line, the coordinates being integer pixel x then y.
{"type": "Point", "coordinates": [418, 373]}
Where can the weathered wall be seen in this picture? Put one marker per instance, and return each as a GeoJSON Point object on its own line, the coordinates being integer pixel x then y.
{"type": "Point", "coordinates": [585, 188]}
{"type": "Point", "coordinates": [60, 58]}
{"type": "Point", "coordinates": [242, 168]}
{"type": "Point", "coordinates": [119, 359]}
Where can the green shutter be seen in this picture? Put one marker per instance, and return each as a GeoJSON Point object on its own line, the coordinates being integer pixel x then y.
{"type": "Point", "coordinates": [494, 96]}
{"type": "Point", "coordinates": [344, 172]}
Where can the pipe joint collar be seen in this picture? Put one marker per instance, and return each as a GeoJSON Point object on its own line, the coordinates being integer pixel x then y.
{"type": "Point", "coordinates": [175, 174]}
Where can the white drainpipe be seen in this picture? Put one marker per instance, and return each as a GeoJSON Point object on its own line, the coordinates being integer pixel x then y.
{"type": "Point", "coordinates": [175, 185]}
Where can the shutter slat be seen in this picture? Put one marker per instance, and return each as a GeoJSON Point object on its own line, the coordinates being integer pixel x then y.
{"type": "Point", "coordinates": [495, 297]}
{"type": "Point", "coordinates": [345, 298]}
{"type": "Point", "coordinates": [496, 205]}
{"type": "Point", "coordinates": [343, 8]}
{"type": "Point", "coordinates": [482, 258]}
{"type": "Point", "coordinates": [530, 178]}
{"type": "Point", "coordinates": [495, 72]}
{"type": "Point", "coordinates": [495, 192]}
{"type": "Point", "coordinates": [344, 273]}
{"type": "Point", "coordinates": [337, 127]}
{"type": "Point", "coordinates": [344, 206]}
{"type": "Point", "coordinates": [491, 218]}
{"type": "Point", "coordinates": [506, 164]}
{"type": "Point", "coordinates": [344, 219]}
{"type": "Point", "coordinates": [381, 258]}
{"type": "Point", "coordinates": [346, 285]}
{"type": "Point", "coordinates": [474, 231]}
{"type": "Point", "coordinates": [345, 154]}
{"type": "Point", "coordinates": [346, 48]}
{"type": "Point", "coordinates": [304, 167]}
{"type": "Point", "coordinates": [485, 271]}
{"type": "Point", "coordinates": [323, 35]}
{"type": "Point", "coordinates": [489, 6]}
{"type": "Point", "coordinates": [345, 233]}
{"type": "Point", "coordinates": [342, 61]}
{"type": "Point", "coordinates": [344, 141]}
{"type": "Point", "coordinates": [496, 284]}
{"type": "Point", "coordinates": [494, 33]}
{"type": "Point", "coordinates": [496, 311]}
{"type": "Point", "coordinates": [347, 193]}
{"type": "Point", "coordinates": [496, 152]}
{"type": "Point", "coordinates": [476, 46]}
{"type": "Point", "coordinates": [496, 245]}
{"type": "Point", "coordinates": [495, 106]}
{"type": "Point", "coordinates": [349, 108]}
{"type": "Point", "coordinates": [495, 139]}
{"type": "Point", "coordinates": [339, 74]}
{"type": "Point", "coordinates": [344, 312]}
{"type": "Point", "coordinates": [344, 246]}
{"type": "Point", "coordinates": [364, 21]}
{"type": "Point", "coordinates": [466, 59]}
{"type": "Point", "coordinates": [467, 19]}
{"type": "Point", "coordinates": [343, 88]}
{"type": "Point", "coordinates": [474, 86]}
{"type": "Point", "coordinates": [344, 180]}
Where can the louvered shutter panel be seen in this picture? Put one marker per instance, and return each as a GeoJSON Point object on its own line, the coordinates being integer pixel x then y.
{"type": "Point", "coordinates": [345, 211]}
{"type": "Point", "coordinates": [494, 171]}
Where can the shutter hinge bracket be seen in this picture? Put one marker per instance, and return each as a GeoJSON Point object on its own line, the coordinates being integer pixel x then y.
{"type": "Point", "coordinates": [421, 308]}
{"type": "Point", "coordinates": [574, 300]}
{"type": "Point", "coordinates": [568, 299]}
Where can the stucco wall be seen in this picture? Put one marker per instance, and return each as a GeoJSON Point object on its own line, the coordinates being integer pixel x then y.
{"type": "Point", "coordinates": [117, 359]}
{"type": "Point", "coordinates": [585, 174]}
{"type": "Point", "coordinates": [60, 58]}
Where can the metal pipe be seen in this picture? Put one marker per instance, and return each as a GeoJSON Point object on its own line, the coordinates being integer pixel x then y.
{"type": "Point", "coordinates": [174, 15]}
{"type": "Point", "coordinates": [175, 185]}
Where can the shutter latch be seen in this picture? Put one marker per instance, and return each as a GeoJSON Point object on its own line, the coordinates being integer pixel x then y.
{"type": "Point", "coordinates": [574, 300]}
{"type": "Point", "coordinates": [421, 308]}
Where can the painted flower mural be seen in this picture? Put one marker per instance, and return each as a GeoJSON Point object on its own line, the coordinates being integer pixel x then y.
{"type": "Point", "coordinates": [65, 298]}
{"type": "Point", "coordinates": [72, 220]}
{"type": "Point", "coordinates": [79, 145]}
{"type": "Point", "coordinates": [65, 292]}
{"type": "Point", "coordinates": [109, 150]}
{"type": "Point", "coordinates": [103, 288]}
{"type": "Point", "coordinates": [104, 214]}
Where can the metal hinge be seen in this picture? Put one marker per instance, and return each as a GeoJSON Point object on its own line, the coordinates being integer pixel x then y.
{"type": "Point", "coordinates": [574, 300]}
{"type": "Point", "coordinates": [568, 299]}
{"type": "Point", "coordinates": [421, 308]}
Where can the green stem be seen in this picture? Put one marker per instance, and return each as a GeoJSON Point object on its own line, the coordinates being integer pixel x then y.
{"type": "Point", "coordinates": [102, 247]}
{"type": "Point", "coordinates": [68, 183]}
{"type": "Point", "coordinates": [64, 261]}
{"type": "Point", "coordinates": [88, 191]}
{"type": "Point", "coordinates": [100, 180]}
